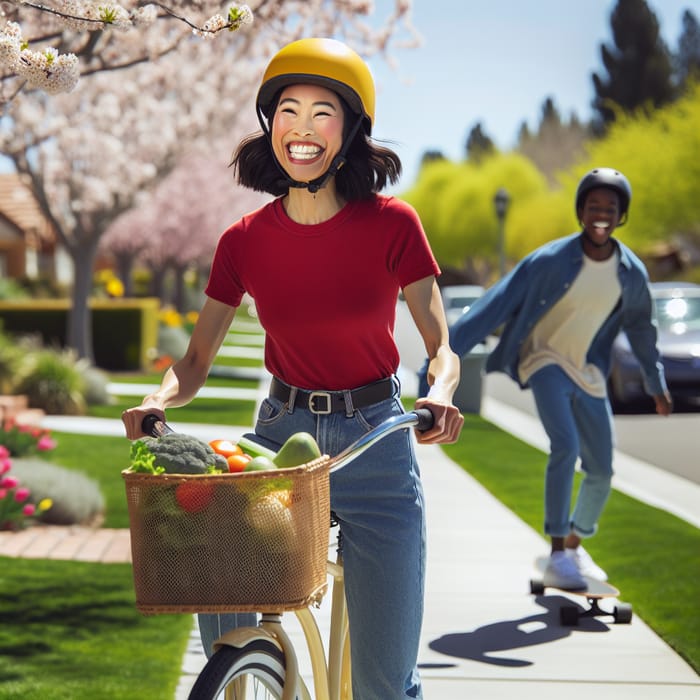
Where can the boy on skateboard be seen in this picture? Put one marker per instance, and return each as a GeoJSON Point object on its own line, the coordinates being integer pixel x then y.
{"type": "Point", "coordinates": [562, 307]}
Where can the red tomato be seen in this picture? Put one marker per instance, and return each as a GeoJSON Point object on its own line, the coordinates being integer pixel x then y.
{"type": "Point", "coordinates": [225, 448]}
{"type": "Point", "coordinates": [192, 496]}
{"type": "Point", "coordinates": [237, 463]}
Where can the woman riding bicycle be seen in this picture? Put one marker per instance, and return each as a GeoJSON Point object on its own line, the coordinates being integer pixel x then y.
{"type": "Point", "coordinates": [325, 262]}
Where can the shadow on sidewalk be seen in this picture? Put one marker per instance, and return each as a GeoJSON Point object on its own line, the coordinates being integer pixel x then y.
{"type": "Point", "coordinates": [509, 635]}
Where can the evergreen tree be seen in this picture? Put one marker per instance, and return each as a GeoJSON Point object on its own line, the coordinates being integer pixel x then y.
{"type": "Point", "coordinates": [524, 135]}
{"type": "Point", "coordinates": [431, 156]}
{"type": "Point", "coordinates": [638, 66]}
{"type": "Point", "coordinates": [556, 144]}
{"type": "Point", "coordinates": [550, 115]}
{"type": "Point", "coordinates": [479, 145]}
{"type": "Point", "coordinates": [687, 60]}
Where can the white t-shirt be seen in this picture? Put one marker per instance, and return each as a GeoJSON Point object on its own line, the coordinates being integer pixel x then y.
{"type": "Point", "coordinates": [565, 332]}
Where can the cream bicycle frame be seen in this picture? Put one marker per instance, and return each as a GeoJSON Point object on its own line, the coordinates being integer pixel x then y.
{"type": "Point", "coordinates": [331, 676]}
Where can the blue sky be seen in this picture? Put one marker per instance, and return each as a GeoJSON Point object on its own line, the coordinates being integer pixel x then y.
{"type": "Point", "coordinates": [495, 61]}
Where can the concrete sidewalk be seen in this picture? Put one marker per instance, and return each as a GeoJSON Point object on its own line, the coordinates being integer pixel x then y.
{"type": "Point", "coordinates": [484, 634]}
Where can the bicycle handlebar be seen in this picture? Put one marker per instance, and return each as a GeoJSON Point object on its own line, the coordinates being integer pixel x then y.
{"type": "Point", "coordinates": [154, 426]}
{"type": "Point", "coordinates": [420, 418]}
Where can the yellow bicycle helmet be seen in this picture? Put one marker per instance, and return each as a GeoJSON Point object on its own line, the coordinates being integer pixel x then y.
{"type": "Point", "coordinates": [326, 62]}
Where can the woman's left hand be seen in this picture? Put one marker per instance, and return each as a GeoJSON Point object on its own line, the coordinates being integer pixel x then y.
{"type": "Point", "coordinates": [447, 425]}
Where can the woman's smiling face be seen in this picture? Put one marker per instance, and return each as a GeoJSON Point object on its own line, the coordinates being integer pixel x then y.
{"type": "Point", "coordinates": [307, 130]}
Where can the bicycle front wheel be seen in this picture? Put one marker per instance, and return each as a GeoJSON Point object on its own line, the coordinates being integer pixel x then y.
{"type": "Point", "coordinates": [256, 670]}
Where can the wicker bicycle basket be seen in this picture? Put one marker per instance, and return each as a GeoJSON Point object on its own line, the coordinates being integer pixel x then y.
{"type": "Point", "coordinates": [251, 541]}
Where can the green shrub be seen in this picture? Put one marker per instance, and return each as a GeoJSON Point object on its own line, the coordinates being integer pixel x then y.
{"type": "Point", "coordinates": [172, 341]}
{"type": "Point", "coordinates": [76, 498]}
{"type": "Point", "coordinates": [11, 361]}
{"type": "Point", "coordinates": [96, 392]}
{"type": "Point", "coordinates": [54, 382]}
{"type": "Point", "coordinates": [11, 289]}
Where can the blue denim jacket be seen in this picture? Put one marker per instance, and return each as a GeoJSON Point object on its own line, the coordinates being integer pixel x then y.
{"type": "Point", "coordinates": [519, 300]}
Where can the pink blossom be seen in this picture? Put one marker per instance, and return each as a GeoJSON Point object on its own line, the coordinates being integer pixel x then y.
{"type": "Point", "coordinates": [45, 443]}
{"type": "Point", "coordinates": [21, 494]}
{"type": "Point", "coordinates": [4, 453]}
{"type": "Point", "coordinates": [5, 465]}
{"type": "Point", "coordinates": [3, 494]}
{"type": "Point", "coordinates": [9, 482]}
{"type": "Point", "coordinates": [29, 509]}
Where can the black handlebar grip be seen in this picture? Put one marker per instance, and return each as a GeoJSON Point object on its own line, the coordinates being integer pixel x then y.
{"type": "Point", "coordinates": [154, 426]}
{"type": "Point", "coordinates": [425, 419]}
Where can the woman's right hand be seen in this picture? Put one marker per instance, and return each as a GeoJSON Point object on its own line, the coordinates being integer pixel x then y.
{"type": "Point", "coordinates": [133, 419]}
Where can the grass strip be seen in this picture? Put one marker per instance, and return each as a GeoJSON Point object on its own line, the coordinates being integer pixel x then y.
{"type": "Point", "coordinates": [71, 630]}
{"type": "Point", "coordinates": [653, 557]}
{"type": "Point", "coordinates": [202, 410]}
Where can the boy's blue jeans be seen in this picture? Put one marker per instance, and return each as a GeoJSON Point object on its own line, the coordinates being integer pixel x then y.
{"type": "Point", "coordinates": [578, 425]}
{"type": "Point", "coordinates": [378, 500]}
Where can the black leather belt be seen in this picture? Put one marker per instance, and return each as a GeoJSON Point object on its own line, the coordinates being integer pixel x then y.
{"type": "Point", "coordinates": [324, 402]}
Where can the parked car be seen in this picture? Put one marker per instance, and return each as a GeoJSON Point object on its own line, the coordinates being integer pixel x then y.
{"type": "Point", "coordinates": [678, 315]}
{"type": "Point", "coordinates": [458, 298]}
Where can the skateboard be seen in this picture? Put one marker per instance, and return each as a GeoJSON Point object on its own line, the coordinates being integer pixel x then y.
{"type": "Point", "coordinates": [594, 592]}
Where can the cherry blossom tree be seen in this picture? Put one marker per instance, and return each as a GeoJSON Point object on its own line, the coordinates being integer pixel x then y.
{"type": "Point", "coordinates": [48, 46]}
{"type": "Point", "coordinates": [145, 97]}
{"type": "Point", "coordinates": [177, 229]}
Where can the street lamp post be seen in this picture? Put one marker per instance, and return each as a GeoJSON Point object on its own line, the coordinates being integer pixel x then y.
{"type": "Point", "coordinates": [501, 201]}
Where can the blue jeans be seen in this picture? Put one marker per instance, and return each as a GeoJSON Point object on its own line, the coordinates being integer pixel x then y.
{"type": "Point", "coordinates": [578, 425]}
{"type": "Point", "coordinates": [378, 501]}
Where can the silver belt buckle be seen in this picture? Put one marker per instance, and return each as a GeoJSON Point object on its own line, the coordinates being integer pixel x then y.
{"type": "Point", "coordinates": [313, 396]}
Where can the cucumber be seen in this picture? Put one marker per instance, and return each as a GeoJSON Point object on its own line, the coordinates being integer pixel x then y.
{"type": "Point", "coordinates": [254, 449]}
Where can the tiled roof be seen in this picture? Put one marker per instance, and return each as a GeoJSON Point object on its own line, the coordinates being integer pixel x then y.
{"type": "Point", "coordinates": [19, 206]}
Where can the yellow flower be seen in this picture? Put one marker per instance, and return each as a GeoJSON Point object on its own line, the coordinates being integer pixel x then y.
{"type": "Point", "coordinates": [44, 504]}
{"type": "Point", "coordinates": [170, 317]}
{"type": "Point", "coordinates": [114, 287]}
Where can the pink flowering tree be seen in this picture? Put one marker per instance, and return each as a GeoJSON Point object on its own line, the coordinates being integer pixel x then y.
{"type": "Point", "coordinates": [148, 91]}
{"type": "Point", "coordinates": [177, 228]}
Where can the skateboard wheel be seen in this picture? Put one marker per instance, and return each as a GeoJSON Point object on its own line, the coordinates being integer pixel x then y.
{"type": "Point", "coordinates": [568, 615]}
{"type": "Point", "coordinates": [623, 613]}
{"type": "Point", "coordinates": [536, 586]}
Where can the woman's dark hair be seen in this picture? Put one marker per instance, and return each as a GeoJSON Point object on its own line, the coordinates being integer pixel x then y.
{"type": "Point", "coordinates": [368, 168]}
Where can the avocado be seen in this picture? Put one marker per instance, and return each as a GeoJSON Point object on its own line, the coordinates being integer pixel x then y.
{"type": "Point", "coordinates": [299, 449]}
{"type": "Point", "coordinates": [259, 463]}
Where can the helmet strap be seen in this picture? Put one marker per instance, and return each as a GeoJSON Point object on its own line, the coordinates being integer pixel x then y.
{"type": "Point", "coordinates": [317, 183]}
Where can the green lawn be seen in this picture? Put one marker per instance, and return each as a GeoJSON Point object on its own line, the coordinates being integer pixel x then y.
{"type": "Point", "coordinates": [70, 630]}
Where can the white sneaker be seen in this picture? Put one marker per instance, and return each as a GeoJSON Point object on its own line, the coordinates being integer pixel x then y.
{"type": "Point", "coordinates": [561, 572]}
{"type": "Point", "coordinates": [585, 564]}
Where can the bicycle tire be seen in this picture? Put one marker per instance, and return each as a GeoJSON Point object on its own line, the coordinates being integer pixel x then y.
{"type": "Point", "coordinates": [259, 660]}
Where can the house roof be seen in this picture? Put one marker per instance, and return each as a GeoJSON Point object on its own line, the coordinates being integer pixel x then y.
{"type": "Point", "coordinates": [18, 205]}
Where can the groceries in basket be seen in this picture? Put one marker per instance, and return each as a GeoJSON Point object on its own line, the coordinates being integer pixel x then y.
{"type": "Point", "coordinates": [177, 453]}
{"type": "Point", "coordinates": [211, 540]}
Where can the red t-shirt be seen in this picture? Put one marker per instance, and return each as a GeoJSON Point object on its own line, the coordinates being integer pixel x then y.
{"type": "Point", "coordinates": [325, 293]}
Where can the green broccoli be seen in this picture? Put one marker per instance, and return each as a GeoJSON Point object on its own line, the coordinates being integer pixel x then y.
{"type": "Point", "coordinates": [184, 454]}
